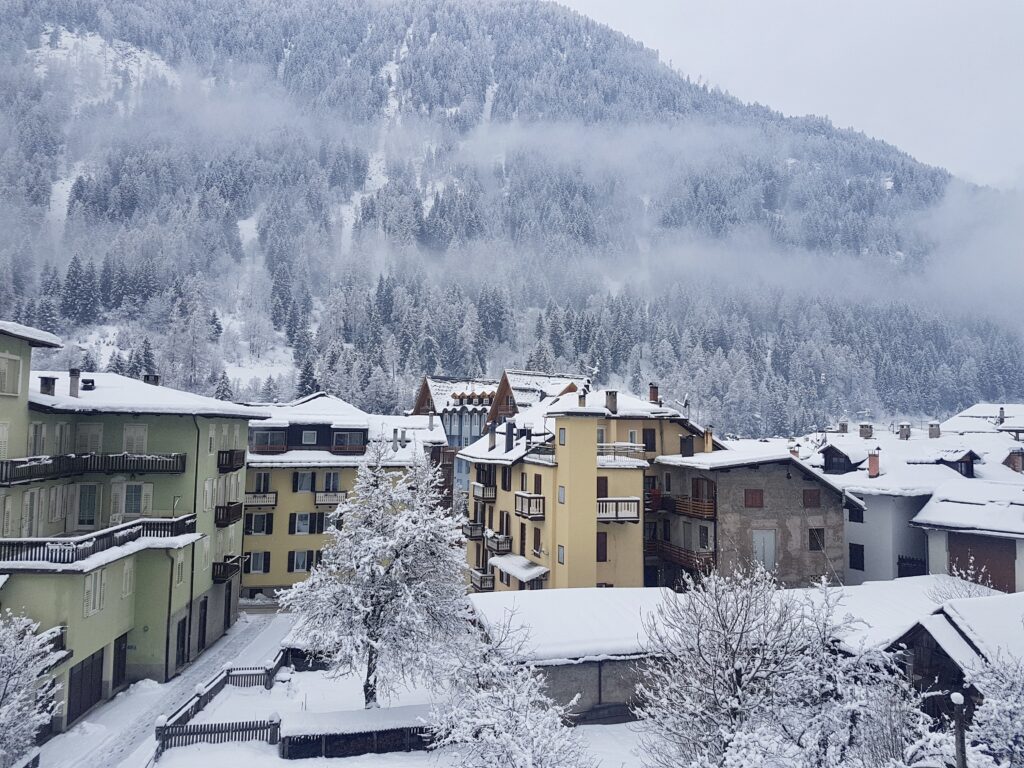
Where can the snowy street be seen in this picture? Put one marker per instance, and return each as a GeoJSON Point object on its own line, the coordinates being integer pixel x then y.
{"type": "Point", "coordinates": [120, 732]}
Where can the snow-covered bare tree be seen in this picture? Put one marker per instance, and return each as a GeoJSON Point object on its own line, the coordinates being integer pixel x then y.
{"type": "Point", "coordinates": [390, 590]}
{"type": "Point", "coordinates": [970, 580]}
{"type": "Point", "coordinates": [997, 730]}
{"type": "Point", "coordinates": [497, 712]}
{"type": "Point", "coordinates": [717, 654]}
{"type": "Point", "coordinates": [26, 695]}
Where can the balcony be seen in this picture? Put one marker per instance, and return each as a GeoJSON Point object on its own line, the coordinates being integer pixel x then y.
{"type": "Point", "coordinates": [329, 498]}
{"type": "Point", "coordinates": [58, 640]}
{"type": "Point", "coordinates": [689, 559]}
{"type": "Point", "coordinates": [231, 460]}
{"type": "Point", "coordinates": [34, 468]}
{"type": "Point", "coordinates": [529, 505]}
{"type": "Point", "coordinates": [705, 509]}
{"type": "Point", "coordinates": [227, 514]}
{"type": "Point", "coordinates": [349, 450]}
{"type": "Point", "coordinates": [268, 499]}
{"type": "Point", "coordinates": [473, 531]}
{"type": "Point", "coordinates": [74, 549]}
{"type": "Point", "coordinates": [499, 544]}
{"type": "Point", "coordinates": [625, 509]}
{"type": "Point", "coordinates": [480, 581]}
{"type": "Point", "coordinates": [484, 492]}
{"type": "Point", "coordinates": [224, 571]}
{"type": "Point", "coordinates": [634, 451]}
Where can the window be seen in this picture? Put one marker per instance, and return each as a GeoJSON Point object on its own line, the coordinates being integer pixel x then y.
{"type": "Point", "coordinates": [332, 482]}
{"type": "Point", "coordinates": [506, 478]}
{"type": "Point", "coordinates": [302, 523]}
{"type": "Point", "coordinates": [36, 439]}
{"type": "Point", "coordinates": [7, 507]}
{"type": "Point", "coordinates": [309, 437]}
{"type": "Point", "coordinates": [522, 482]}
{"type": "Point", "coordinates": [94, 596]}
{"type": "Point", "coordinates": [600, 435]}
{"type": "Point", "coordinates": [753, 498]}
{"type": "Point", "coordinates": [812, 498]}
{"type": "Point", "coordinates": [258, 562]}
{"type": "Point", "coordinates": [135, 438]}
{"type": "Point", "coordinates": [561, 494]}
{"type": "Point", "coordinates": [10, 375]}
{"type": "Point", "coordinates": [212, 439]}
{"type": "Point", "coordinates": [262, 484]}
{"type": "Point", "coordinates": [537, 484]}
{"type": "Point", "coordinates": [633, 436]}
{"type": "Point", "coordinates": [856, 557]}
{"type": "Point", "coordinates": [561, 554]}
{"type": "Point", "coordinates": [602, 547]}
{"type": "Point", "coordinates": [128, 577]}
{"type": "Point", "coordinates": [259, 523]}
{"type": "Point", "coordinates": [816, 539]}
{"type": "Point", "coordinates": [300, 561]}
{"type": "Point", "coordinates": [88, 502]}
{"type": "Point", "coordinates": [561, 435]}
{"type": "Point", "coordinates": [88, 438]}
{"type": "Point", "coordinates": [302, 482]}
{"type": "Point", "coordinates": [856, 514]}
{"type": "Point", "coordinates": [263, 441]}
{"type": "Point", "coordinates": [349, 442]}
{"type": "Point", "coordinates": [650, 440]}
{"type": "Point", "coordinates": [510, 401]}
{"type": "Point", "coordinates": [179, 567]}
{"type": "Point", "coordinates": [703, 537]}
{"type": "Point", "coordinates": [504, 578]}
{"type": "Point", "coordinates": [131, 498]}
{"type": "Point", "coordinates": [536, 541]}
{"type": "Point", "coordinates": [668, 482]}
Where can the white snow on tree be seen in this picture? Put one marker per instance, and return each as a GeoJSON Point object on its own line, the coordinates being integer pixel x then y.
{"type": "Point", "coordinates": [390, 590]}
{"type": "Point", "coordinates": [26, 693]}
{"type": "Point", "coordinates": [997, 731]}
{"type": "Point", "coordinates": [498, 714]}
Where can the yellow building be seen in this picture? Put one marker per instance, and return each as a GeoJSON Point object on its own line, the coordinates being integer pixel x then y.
{"type": "Point", "coordinates": [121, 514]}
{"type": "Point", "coordinates": [302, 463]}
{"type": "Point", "coordinates": [559, 491]}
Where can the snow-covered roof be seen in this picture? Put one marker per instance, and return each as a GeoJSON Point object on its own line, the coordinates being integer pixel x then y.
{"type": "Point", "coordinates": [442, 390]}
{"type": "Point", "coordinates": [573, 624]}
{"type": "Point", "coordinates": [595, 403]}
{"type": "Point", "coordinates": [521, 567]}
{"type": "Point", "coordinates": [984, 506]}
{"type": "Point", "coordinates": [318, 408]}
{"type": "Point", "coordinates": [994, 624]}
{"type": "Point", "coordinates": [114, 393]}
{"type": "Point", "coordinates": [984, 417]}
{"type": "Point", "coordinates": [33, 336]}
{"type": "Point", "coordinates": [532, 386]}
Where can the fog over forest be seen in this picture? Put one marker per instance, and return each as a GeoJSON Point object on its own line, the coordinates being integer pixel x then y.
{"type": "Point", "coordinates": [364, 192]}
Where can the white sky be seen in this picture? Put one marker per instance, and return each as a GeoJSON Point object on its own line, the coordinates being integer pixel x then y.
{"type": "Point", "coordinates": [941, 79]}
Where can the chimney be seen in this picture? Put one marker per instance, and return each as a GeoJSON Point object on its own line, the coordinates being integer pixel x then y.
{"type": "Point", "coordinates": [491, 437]}
{"type": "Point", "coordinates": [686, 445]}
{"type": "Point", "coordinates": [582, 400]}
{"type": "Point", "coordinates": [611, 400]}
{"type": "Point", "coordinates": [528, 431]}
{"type": "Point", "coordinates": [510, 436]}
{"type": "Point", "coordinates": [709, 439]}
{"type": "Point", "coordinates": [866, 430]}
{"type": "Point", "coordinates": [151, 378]}
{"type": "Point", "coordinates": [794, 450]}
{"type": "Point", "coordinates": [934, 430]}
{"type": "Point", "coordinates": [74, 374]}
{"type": "Point", "coordinates": [404, 440]}
{"type": "Point", "coordinates": [1002, 415]}
{"type": "Point", "coordinates": [48, 385]}
{"type": "Point", "coordinates": [652, 392]}
{"type": "Point", "coordinates": [394, 440]}
{"type": "Point", "coordinates": [844, 426]}
{"type": "Point", "coordinates": [873, 466]}
{"type": "Point", "coordinates": [904, 430]}
{"type": "Point", "coordinates": [1015, 461]}
{"type": "Point", "coordinates": [430, 420]}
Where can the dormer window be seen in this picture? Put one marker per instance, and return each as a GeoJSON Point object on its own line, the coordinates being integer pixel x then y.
{"type": "Point", "coordinates": [836, 462]}
{"type": "Point", "coordinates": [309, 437]}
{"type": "Point", "coordinates": [349, 442]}
{"type": "Point", "coordinates": [269, 441]}
{"type": "Point", "coordinates": [965, 467]}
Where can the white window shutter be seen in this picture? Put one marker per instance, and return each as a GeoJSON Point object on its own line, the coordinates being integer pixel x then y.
{"type": "Point", "coordinates": [4, 436]}
{"type": "Point", "coordinates": [103, 588]}
{"type": "Point", "coordinates": [5, 503]}
{"type": "Point", "coordinates": [96, 438]}
{"type": "Point", "coordinates": [87, 597]}
{"type": "Point", "coordinates": [116, 499]}
{"type": "Point", "coordinates": [26, 514]}
{"type": "Point", "coordinates": [147, 498]}
{"type": "Point", "coordinates": [44, 502]}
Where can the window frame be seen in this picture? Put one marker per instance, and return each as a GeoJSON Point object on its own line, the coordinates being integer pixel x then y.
{"type": "Point", "coordinates": [815, 542]}
{"type": "Point", "coordinates": [860, 556]}
{"type": "Point", "coordinates": [308, 437]}
{"type": "Point", "coordinates": [812, 498]}
{"type": "Point", "coordinates": [5, 392]}
{"type": "Point", "coordinates": [753, 498]}
{"type": "Point", "coordinates": [561, 554]}
{"type": "Point", "coordinates": [561, 435]}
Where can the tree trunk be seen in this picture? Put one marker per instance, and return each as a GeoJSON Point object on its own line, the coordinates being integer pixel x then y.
{"type": "Point", "coordinates": [370, 683]}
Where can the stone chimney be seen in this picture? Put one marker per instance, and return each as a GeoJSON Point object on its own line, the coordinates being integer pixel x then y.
{"type": "Point", "coordinates": [844, 426]}
{"type": "Point", "coordinates": [151, 378]}
{"type": "Point", "coordinates": [709, 438]}
{"type": "Point", "coordinates": [1002, 415]}
{"type": "Point", "coordinates": [934, 430]}
{"type": "Point", "coordinates": [904, 430]}
{"type": "Point", "coordinates": [867, 430]}
{"type": "Point", "coordinates": [1015, 461]}
{"type": "Point", "coordinates": [528, 431]}
{"type": "Point", "coordinates": [48, 385]}
{"type": "Point", "coordinates": [611, 400]}
{"type": "Point", "coordinates": [74, 376]}
{"type": "Point", "coordinates": [873, 463]}
{"type": "Point", "coordinates": [652, 393]}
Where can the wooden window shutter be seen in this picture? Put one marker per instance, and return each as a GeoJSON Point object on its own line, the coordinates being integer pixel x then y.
{"type": "Point", "coordinates": [602, 547]}
{"type": "Point", "coordinates": [602, 487]}
{"type": "Point", "coordinates": [103, 588]}
{"type": "Point", "coordinates": [312, 482]}
{"type": "Point", "coordinates": [245, 563]}
{"type": "Point", "coordinates": [536, 484]}
{"type": "Point", "coordinates": [650, 439]}
{"type": "Point", "coordinates": [695, 488]}
{"type": "Point", "coordinates": [536, 539]}
{"type": "Point", "coordinates": [147, 498]}
{"type": "Point", "coordinates": [87, 595]}
{"type": "Point", "coordinates": [319, 556]}
{"type": "Point", "coordinates": [812, 498]}
{"type": "Point", "coordinates": [295, 482]}
{"type": "Point", "coordinates": [321, 518]}
{"type": "Point", "coordinates": [6, 501]}
{"type": "Point", "coordinates": [116, 499]}
{"type": "Point", "coordinates": [291, 562]}
{"type": "Point", "coordinates": [247, 525]}
{"type": "Point", "coordinates": [266, 562]}
{"type": "Point", "coordinates": [269, 523]}
{"type": "Point", "coordinates": [4, 440]}
{"type": "Point", "coordinates": [309, 559]}
{"type": "Point", "coordinates": [291, 523]}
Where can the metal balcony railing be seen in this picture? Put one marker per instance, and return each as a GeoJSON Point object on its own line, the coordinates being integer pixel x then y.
{"type": "Point", "coordinates": [34, 468]}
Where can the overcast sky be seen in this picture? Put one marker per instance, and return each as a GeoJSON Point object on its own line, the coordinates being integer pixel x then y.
{"type": "Point", "coordinates": [941, 79]}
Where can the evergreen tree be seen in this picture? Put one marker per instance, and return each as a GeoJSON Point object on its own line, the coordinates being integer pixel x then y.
{"type": "Point", "coordinates": [147, 361]}
{"type": "Point", "coordinates": [71, 294]}
{"type": "Point", "coordinates": [307, 383]}
{"type": "Point", "coordinates": [116, 363]}
{"type": "Point", "coordinates": [269, 392]}
{"type": "Point", "coordinates": [223, 390]}
{"type": "Point", "coordinates": [216, 328]}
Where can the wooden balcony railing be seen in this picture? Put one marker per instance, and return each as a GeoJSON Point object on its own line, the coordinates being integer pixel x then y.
{"type": "Point", "coordinates": [268, 499]}
{"type": "Point", "coordinates": [499, 544]}
{"type": "Point", "coordinates": [481, 582]}
{"type": "Point", "coordinates": [275, 448]}
{"type": "Point", "coordinates": [231, 460]}
{"type": "Point", "coordinates": [702, 508]}
{"type": "Point", "coordinates": [224, 571]}
{"type": "Point", "coordinates": [484, 492]}
{"type": "Point", "coordinates": [34, 468]}
{"type": "Point", "coordinates": [227, 514]}
{"type": "Point", "coordinates": [689, 559]}
{"type": "Point", "coordinates": [73, 549]}
{"type": "Point", "coordinates": [473, 531]}
{"type": "Point", "coordinates": [329, 498]}
{"type": "Point", "coordinates": [625, 510]}
{"type": "Point", "coordinates": [529, 505]}
{"type": "Point", "coordinates": [349, 450]}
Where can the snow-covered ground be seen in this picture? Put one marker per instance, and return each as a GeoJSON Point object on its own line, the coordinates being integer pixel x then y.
{"type": "Point", "coordinates": [612, 746]}
{"type": "Point", "coordinates": [120, 731]}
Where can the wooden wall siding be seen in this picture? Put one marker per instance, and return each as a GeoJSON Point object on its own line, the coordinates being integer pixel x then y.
{"type": "Point", "coordinates": [997, 556]}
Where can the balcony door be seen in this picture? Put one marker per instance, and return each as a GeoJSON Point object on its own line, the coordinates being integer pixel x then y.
{"type": "Point", "coordinates": [764, 547]}
{"type": "Point", "coordinates": [88, 505]}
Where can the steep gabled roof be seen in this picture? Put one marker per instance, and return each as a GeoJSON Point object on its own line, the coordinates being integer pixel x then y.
{"type": "Point", "coordinates": [440, 391]}
{"type": "Point", "coordinates": [34, 336]}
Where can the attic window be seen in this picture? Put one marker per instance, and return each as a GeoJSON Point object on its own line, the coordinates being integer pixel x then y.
{"type": "Point", "coordinates": [837, 463]}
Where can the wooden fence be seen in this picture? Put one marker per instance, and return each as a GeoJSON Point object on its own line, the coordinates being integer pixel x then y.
{"type": "Point", "coordinates": [352, 744]}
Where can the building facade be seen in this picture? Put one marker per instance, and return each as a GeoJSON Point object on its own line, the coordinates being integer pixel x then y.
{"type": "Point", "coordinates": [121, 519]}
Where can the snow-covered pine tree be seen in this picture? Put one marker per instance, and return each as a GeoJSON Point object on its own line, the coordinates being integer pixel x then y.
{"type": "Point", "coordinates": [389, 591]}
{"type": "Point", "coordinates": [270, 392]}
{"type": "Point", "coordinates": [26, 696]}
{"type": "Point", "coordinates": [307, 384]}
{"type": "Point", "coordinates": [223, 390]}
{"type": "Point", "coordinates": [997, 730]}
{"type": "Point", "coordinates": [216, 327]}
{"type": "Point", "coordinates": [497, 713]}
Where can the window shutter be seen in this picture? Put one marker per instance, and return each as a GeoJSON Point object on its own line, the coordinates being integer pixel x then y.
{"type": "Point", "coordinates": [321, 518]}
{"type": "Point", "coordinates": [291, 562]}
{"type": "Point", "coordinates": [103, 588]}
{"type": "Point", "coordinates": [309, 559]}
{"type": "Point", "coordinates": [147, 498]}
{"type": "Point", "coordinates": [295, 482]}
{"type": "Point", "coordinates": [6, 502]}
{"type": "Point", "coordinates": [94, 438]}
{"type": "Point", "coordinates": [245, 563]}
{"type": "Point", "coordinates": [312, 482]}
{"type": "Point", "coordinates": [73, 502]}
{"type": "Point", "coordinates": [26, 514]}
{"type": "Point", "coordinates": [4, 432]}
{"type": "Point", "coordinates": [319, 556]}
{"type": "Point", "coordinates": [536, 484]}
{"type": "Point", "coordinates": [44, 502]}
{"type": "Point", "coordinates": [602, 547]}
{"type": "Point", "coordinates": [266, 562]}
{"type": "Point", "coordinates": [291, 523]}
{"type": "Point", "coordinates": [87, 596]}
{"type": "Point", "coordinates": [116, 499]}
{"type": "Point", "coordinates": [602, 487]}
{"type": "Point", "coordinates": [247, 525]}
{"type": "Point", "coordinates": [269, 528]}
